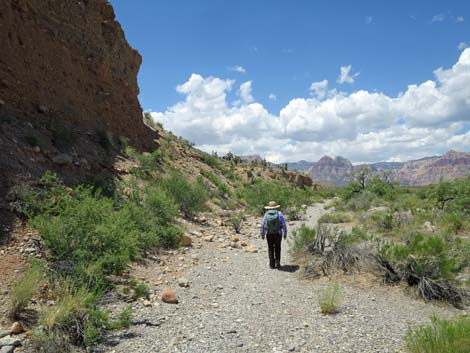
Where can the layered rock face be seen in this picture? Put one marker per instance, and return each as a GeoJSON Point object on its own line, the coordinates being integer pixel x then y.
{"type": "Point", "coordinates": [424, 171]}
{"type": "Point", "coordinates": [338, 171]}
{"type": "Point", "coordinates": [70, 60]}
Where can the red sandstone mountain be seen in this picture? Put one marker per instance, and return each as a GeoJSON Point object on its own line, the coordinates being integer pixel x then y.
{"type": "Point", "coordinates": [424, 171]}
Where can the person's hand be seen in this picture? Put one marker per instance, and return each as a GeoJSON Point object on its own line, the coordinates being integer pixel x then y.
{"type": "Point", "coordinates": [285, 237]}
{"type": "Point", "coordinates": [262, 237]}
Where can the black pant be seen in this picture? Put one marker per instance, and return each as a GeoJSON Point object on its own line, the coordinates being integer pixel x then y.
{"type": "Point", "coordinates": [274, 249]}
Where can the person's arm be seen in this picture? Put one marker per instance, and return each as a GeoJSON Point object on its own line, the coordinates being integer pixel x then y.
{"type": "Point", "coordinates": [263, 227]}
{"type": "Point", "coordinates": [283, 224]}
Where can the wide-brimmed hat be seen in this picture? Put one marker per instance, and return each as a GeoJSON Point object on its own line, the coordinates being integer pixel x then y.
{"type": "Point", "coordinates": [272, 205]}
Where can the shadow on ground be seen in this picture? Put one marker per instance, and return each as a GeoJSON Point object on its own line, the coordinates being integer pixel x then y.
{"type": "Point", "coordinates": [289, 268]}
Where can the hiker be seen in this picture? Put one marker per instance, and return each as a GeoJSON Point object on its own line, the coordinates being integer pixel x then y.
{"type": "Point", "coordinates": [274, 227]}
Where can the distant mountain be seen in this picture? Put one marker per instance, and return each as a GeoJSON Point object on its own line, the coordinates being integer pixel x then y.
{"type": "Point", "coordinates": [428, 170]}
{"type": "Point", "coordinates": [301, 166]}
{"type": "Point", "coordinates": [251, 158]}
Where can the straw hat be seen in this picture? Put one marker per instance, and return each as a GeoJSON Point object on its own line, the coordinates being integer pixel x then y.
{"type": "Point", "coordinates": [271, 206]}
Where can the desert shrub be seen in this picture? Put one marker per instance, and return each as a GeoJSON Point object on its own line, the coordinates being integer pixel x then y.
{"type": "Point", "coordinates": [211, 161]}
{"type": "Point", "coordinates": [140, 290]}
{"type": "Point", "coordinates": [216, 201]}
{"type": "Point", "coordinates": [451, 222]}
{"type": "Point", "coordinates": [334, 217]}
{"type": "Point", "coordinates": [44, 341]}
{"type": "Point", "coordinates": [301, 239]}
{"type": "Point", "coordinates": [24, 289]}
{"type": "Point", "coordinates": [329, 299]}
{"type": "Point", "coordinates": [294, 213]}
{"type": "Point", "coordinates": [191, 197]}
{"type": "Point", "coordinates": [87, 236]}
{"type": "Point", "coordinates": [362, 201]}
{"type": "Point", "coordinates": [123, 319]}
{"type": "Point", "coordinates": [333, 249]}
{"type": "Point", "coordinates": [236, 221]}
{"type": "Point", "coordinates": [426, 262]}
{"type": "Point", "coordinates": [149, 163]}
{"type": "Point", "coordinates": [69, 315]}
{"type": "Point", "coordinates": [151, 212]}
{"type": "Point", "coordinates": [221, 186]}
{"type": "Point", "coordinates": [440, 336]}
{"type": "Point", "coordinates": [258, 194]}
{"type": "Point", "coordinates": [105, 139]}
{"type": "Point", "coordinates": [383, 220]}
{"type": "Point", "coordinates": [230, 204]}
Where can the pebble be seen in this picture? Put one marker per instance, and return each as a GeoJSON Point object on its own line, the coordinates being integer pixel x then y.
{"type": "Point", "coordinates": [183, 282]}
{"type": "Point", "coordinates": [17, 328]}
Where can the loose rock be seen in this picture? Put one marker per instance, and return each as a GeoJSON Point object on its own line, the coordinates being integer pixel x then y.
{"type": "Point", "coordinates": [62, 159]}
{"type": "Point", "coordinates": [251, 249]}
{"type": "Point", "coordinates": [183, 282]}
{"type": "Point", "coordinates": [169, 296]}
{"type": "Point", "coordinates": [185, 240]}
{"type": "Point", "coordinates": [17, 328]}
{"type": "Point", "coordinates": [7, 349]}
{"type": "Point", "coordinates": [8, 341]}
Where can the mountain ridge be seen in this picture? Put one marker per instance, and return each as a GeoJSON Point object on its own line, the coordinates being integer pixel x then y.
{"type": "Point", "coordinates": [427, 170]}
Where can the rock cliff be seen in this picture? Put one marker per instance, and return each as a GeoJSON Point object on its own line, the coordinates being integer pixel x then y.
{"type": "Point", "coordinates": [69, 60]}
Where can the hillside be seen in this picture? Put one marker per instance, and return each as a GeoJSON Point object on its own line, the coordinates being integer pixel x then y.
{"type": "Point", "coordinates": [424, 171]}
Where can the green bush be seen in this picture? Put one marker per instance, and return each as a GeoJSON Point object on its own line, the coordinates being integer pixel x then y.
{"type": "Point", "coordinates": [383, 220]}
{"type": "Point", "coordinates": [362, 201]}
{"type": "Point", "coordinates": [423, 256]}
{"type": "Point", "coordinates": [329, 299]}
{"type": "Point", "coordinates": [334, 217]}
{"type": "Point", "coordinates": [258, 194]}
{"type": "Point", "coordinates": [302, 238]}
{"type": "Point", "coordinates": [440, 336]}
{"type": "Point", "coordinates": [24, 289]}
{"type": "Point", "coordinates": [191, 197]}
{"type": "Point", "coordinates": [236, 222]}
{"type": "Point", "coordinates": [451, 222]}
{"type": "Point", "coordinates": [88, 236]}
{"type": "Point", "coordinates": [211, 161]}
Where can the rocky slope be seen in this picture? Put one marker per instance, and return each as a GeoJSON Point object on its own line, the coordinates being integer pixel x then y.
{"type": "Point", "coordinates": [423, 171]}
{"type": "Point", "coordinates": [68, 92]}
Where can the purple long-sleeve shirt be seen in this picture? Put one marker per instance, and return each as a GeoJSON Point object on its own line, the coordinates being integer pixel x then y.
{"type": "Point", "coordinates": [282, 226]}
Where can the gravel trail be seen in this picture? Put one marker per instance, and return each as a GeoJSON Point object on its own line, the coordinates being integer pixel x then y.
{"type": "Point", "coordinates": [236, 303]}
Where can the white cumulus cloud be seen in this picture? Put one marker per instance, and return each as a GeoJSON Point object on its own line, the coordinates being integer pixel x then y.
{"type": "Point", "coordinates": [364, 126]}
{"type": "Point", "coordinates": [463, 45]}
{"type": "Point", "coordinates": [438, 18]}
{"type": "Point", "coordinates": [237, 68]}
{"type": "Point", "coordinates": [319, 89]}
{"type": "Point", "coordinates": [346, 76]}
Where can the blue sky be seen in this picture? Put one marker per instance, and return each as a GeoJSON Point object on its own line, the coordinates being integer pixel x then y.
{"type": "Point", "coordinates": [281, 47]}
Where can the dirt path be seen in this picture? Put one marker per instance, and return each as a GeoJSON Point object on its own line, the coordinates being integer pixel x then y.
{"type": "Point", "coordinates": [235, 303]}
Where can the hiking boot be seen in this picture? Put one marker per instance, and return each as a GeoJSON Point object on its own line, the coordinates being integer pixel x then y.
{"type": "Point", "coordinates": [272, 267]}
{"type": "Point", "coordinates": [278, 265]}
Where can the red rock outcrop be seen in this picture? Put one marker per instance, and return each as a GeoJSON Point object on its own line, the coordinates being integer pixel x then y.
{"type": "Point", "coordinates": [70, 60]}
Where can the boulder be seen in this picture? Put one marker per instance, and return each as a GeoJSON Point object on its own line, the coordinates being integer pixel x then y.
{"type": "Point", "coordinates": [17, 328]}
{"type": "Point", "coordinates": [185, 240]}
{"type": "Point", "coordinates": [8, 341]}
{"type": "Point", "coordinates": [62, 159]}
{"type": "Point", "coordinates": [4, 333]}
{"type": "Point", "coordinates": [169, 296]}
